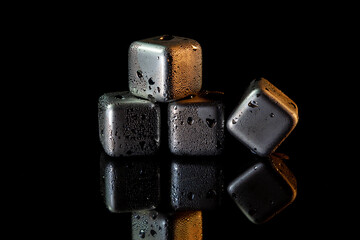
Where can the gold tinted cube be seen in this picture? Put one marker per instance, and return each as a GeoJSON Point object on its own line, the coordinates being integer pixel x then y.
{"type": "Point", "coordinates": [188, 225]}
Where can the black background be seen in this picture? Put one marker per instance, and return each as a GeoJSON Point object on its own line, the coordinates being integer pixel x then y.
{"type": "Point", "coordinates": [84, 53]}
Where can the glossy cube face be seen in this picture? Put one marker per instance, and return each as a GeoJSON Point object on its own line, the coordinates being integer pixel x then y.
{"type": "Point", "coordinates": [195, 184]}
{"type": "Point", "coordinates": [129, 184]}
{"type": "Point", "coordinates": [264, 118]}
{"type": "Point", "coordinates": [196, 125]}
{"type": "Point", "coordinates": [157, 225]}
{"type": "Point", "coordinates": [264, 189]}
{"type": "Point", "coordinates": [128, 125]}
{"type": "Point", "coordinates": [165, 68]}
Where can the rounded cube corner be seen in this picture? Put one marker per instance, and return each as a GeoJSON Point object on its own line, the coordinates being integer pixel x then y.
{"type": "Point", "coordinates": [229, 189]}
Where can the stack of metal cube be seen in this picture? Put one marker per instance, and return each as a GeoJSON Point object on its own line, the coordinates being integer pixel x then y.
{"type": "Point", "coordinates": [165, 112]}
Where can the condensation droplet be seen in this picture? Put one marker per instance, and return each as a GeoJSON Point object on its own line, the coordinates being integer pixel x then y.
{"type": "Point", "coordinates": [190, 120]}
{"type": "Point", "coordinates": [154, 215]}
{"type": "Point", "coordinates": [211, 122]}
{"type": "Point", "coordinates": [119, 97]}
{"type": "Point", "coordinates": [139, 73]}
{"type": "Point", "coordinates": [151, 82]}
{"type": "Point", "coordinates": [151, 97]}
{"type": "Point", "coordinates": [191, 196]}
{"type": "Point", "coordinates": [272, 115]}
{"type": "Point", "coordinates": [142, 233]}
{"type": "Point", "coordinates": [253, 104]}
{"type": "Point", "coordinates": [166, 37]}
{"type": "Point", "coordinates": [152, 232]}
{"type": "Point", "coordinates": [294, 106]}
{"type": "Point", "coordinates": [235, 120]}
{"type": "Point", "coordinates": [211, 194]}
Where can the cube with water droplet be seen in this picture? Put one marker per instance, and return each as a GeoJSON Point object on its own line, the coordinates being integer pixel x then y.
{"type": "Point", "coordinates": [264, 189]}
{"type": "Point", "coordinates": [195, 184]}
{"type": "Point", "coordinates": [129, 184]}
{"type": "Point", "coordinates": [196, 125]}
{"type": "Point", "coordinates": [159, 225]}
{"type": "Point", "coordinates": [151, 224]}
{"type": "Point", "coordinates": [128, 126]}
{"type": "Point", "coordinates": [264, 117]}
{"type": "Point", "coordinates": [165, 68]}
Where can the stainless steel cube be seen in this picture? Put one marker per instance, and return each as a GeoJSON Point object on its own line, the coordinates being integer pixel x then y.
{"type": "Point", "coordinates": [264, 117]}
{"type": "Point", "coordinates": [196, 125]}
{"type": "Point", "coordinates": [128, 126]}
{"type": "Point", "coordinates": [165, 68]}
{"type": "Point", "coordinates": [264, 189]}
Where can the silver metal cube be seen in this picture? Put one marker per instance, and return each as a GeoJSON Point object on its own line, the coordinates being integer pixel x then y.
{"type": "Point", "coordinates": [196, 125]}
{"type": "Point", "coordinates": [165, 68]}
{"type": "Point", "coordinates": [128, 125]}
{"type": "Point", "coordinates": [264, 117]}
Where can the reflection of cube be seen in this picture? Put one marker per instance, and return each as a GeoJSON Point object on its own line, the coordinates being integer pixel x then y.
{"type": "Point", "coordinates": [129, 184]}
{"type": "Point", "coordinates": [264, 118]}
{"type": "Point", "coordinates": [196, 184]}
{"type": "Point", "coordinates": [150, 225]}
{"type": "Point", "coordinates": [128, 125]}
{"type": "Point", "coordinates": [264, 189]}
{"type": "Point", "coordinates": [165, 68]}
{"type": "Point", "coordinates": [196, 125]}
{"type": "Point", "coordinates": [188, 225]}
{"type": "Point", "coordinates": [166, 226]}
